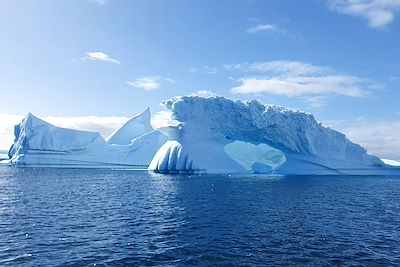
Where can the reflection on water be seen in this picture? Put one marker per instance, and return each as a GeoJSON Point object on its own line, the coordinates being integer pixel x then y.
{"type": "Point", "coordinates": [78, 217]}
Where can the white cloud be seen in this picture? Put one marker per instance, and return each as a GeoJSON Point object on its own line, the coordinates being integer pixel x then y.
{"type": "Point", "coordinates": [149, 83]}
{"type": "Point", "coordinates": [380, 138]}
{"type": "Point", "coordinates": [99, 56]}
{"type": "Point", "coordinates": [232, 66]}
{"type": "Point", "coordinates": [104, 125]}
{"type": "Point", "coordinates": [145, 83]}
{"type": "Point", "coordinates": [298, 79]}
{"type": "Point", "coordinates": [378, 13]}
{"type": "Point", "coordinates": [300, 86]}
{"type": "Point", "coordinates": [268, 28]}
{"type": "Point", "coordinates": [204, 93]}
{"type": "Point", "coordinates": [203, 69]}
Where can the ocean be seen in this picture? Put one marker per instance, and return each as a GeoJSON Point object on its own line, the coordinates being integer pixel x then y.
{"type": "Point", "coordinates": [94, 217]}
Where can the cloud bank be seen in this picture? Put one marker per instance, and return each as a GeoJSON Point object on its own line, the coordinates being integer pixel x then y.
{"type": "Point", "coordinates": [312, 83]}
{"type": "Point", "coordinates": [380, 138]}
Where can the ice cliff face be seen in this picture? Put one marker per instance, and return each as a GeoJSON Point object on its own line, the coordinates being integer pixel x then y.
{"type": "Point", "coordinates": [38, 143]}
{"type": "Point", "coordinates": [215, 132]}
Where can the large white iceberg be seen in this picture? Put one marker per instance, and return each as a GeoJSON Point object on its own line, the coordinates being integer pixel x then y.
{"type": "Point", "coordinates": [202, 134]}
{"type": "Point", "coordinates": [38, 143]}
{"type": "Point", "coordinates": [219, 135]}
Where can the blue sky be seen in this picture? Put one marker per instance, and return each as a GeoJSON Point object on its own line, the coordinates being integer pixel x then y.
{"type": "Point", "coordinates": [339, 60]}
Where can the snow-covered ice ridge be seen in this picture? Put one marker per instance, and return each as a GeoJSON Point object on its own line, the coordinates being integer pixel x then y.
{"type": "Point", "coordinates": [202, 134]}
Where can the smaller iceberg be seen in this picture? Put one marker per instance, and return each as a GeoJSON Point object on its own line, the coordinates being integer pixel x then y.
{"type": "Point", "coordinates": [39, 143]}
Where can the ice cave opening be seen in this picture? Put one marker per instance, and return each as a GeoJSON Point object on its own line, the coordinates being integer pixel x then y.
{"type": "Point", "coordinates": [260, 158]}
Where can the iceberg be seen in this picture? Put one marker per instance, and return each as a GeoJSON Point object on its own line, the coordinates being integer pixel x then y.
{"type": "Point", "coordinates": [220, 135]}
{"type": "Point", "coordinates": [41, 144]}
{"type": "Point", "coordinates": [202, 135]}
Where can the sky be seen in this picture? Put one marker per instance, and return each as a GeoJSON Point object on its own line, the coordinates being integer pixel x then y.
{"type": "Point", "coordinates": [91, 64]}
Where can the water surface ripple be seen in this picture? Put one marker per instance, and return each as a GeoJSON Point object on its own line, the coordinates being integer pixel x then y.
{"type": "Point", "coordinates": [72, 217]}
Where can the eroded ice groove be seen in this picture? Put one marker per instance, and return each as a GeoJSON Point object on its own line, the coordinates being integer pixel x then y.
{"type": "Point", "coordinates": [221, 135]}
{"type": "Point", "coordinates": [38, 143]}
{"type": "Point", "coordinates": [172, 158]}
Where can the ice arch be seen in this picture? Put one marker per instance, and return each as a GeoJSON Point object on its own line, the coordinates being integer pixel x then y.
{"type": "Point", "coordinates": [260, 158]}
{"type": "Point", "coordinates": [207, 130]}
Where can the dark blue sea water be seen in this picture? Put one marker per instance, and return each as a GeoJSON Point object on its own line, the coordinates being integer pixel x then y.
{"type": "Point", "coordinates": [72, 217]}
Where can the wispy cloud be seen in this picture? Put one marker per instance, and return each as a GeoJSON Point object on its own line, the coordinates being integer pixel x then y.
{"type": "Point", "coordinates": [378, 13]}
{"type": "Point", "coordinates": [279, 67]}
{"type": "Point", "coordinates": [204, 69]}
{"type": "Point", "coordinates": [301, 85]}
{"type": "Point", "coordinates": [316, 102]}
{"type": "Point", "coordinates": [149, 83]}
{"type": "Point", "coordinates": [99, 56]}
{"type": "Point", "coordinates": [104, 125]}
{"type": "Point", "coordinates": [298, 79]}
{"type": "Point", "coordinates": [266, 28]}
